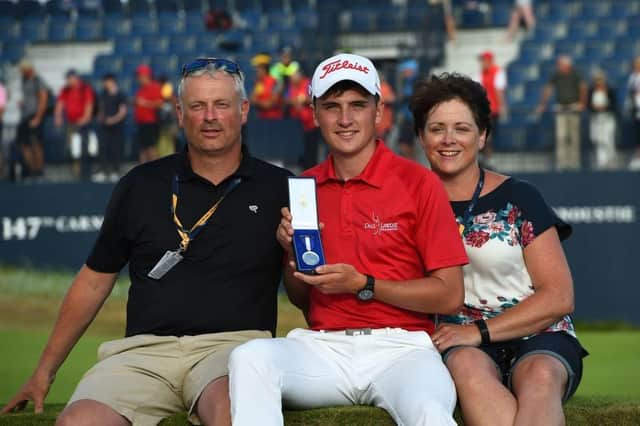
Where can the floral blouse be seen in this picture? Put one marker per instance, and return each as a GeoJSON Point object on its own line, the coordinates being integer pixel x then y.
{"type": "Point", "coordinates": [502, 224]}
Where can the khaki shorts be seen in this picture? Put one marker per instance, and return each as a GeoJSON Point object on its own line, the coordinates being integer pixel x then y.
{"type": "Point", "coordinates": [146, 378]}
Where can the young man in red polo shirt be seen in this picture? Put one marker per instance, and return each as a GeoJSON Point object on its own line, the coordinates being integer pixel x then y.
{"type": "Point", "coordinates": [76, 102]}
{"type": "Point", "coordinates": [148, 101]}
{"type": "Point", "coordinates": [393, 257]}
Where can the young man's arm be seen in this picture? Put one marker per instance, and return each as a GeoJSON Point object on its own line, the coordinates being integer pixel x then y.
{"type": "Point", "coordinates": [442, 291]}
{"type": "Point", "coordinates": [82, 302]}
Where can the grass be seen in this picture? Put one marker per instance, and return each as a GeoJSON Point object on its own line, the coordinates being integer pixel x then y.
{"type": "Point", "coordinates": [608, 395]}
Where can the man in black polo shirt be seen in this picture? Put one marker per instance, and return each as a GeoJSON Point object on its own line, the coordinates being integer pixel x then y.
{"type": "Point", "coordinates": [198, 232]}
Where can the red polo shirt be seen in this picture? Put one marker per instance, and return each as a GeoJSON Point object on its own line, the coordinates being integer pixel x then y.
{"type": "Point", "coordinates": [151, 91]}
{"type": "Point", "coordinates": [393, 221]}
{"type": "Point", "coordinates": [75, 100]}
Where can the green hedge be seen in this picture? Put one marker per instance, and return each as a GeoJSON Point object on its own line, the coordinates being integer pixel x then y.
{"type": "Point", "coordinates": [580, 411]}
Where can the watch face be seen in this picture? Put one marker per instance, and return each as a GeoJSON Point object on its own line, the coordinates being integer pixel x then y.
{"type": "Point", "coordinates": [365, 294]}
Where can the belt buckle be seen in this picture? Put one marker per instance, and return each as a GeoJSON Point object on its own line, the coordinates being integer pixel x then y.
{"type": "Point", "coordinates": [357, 331]}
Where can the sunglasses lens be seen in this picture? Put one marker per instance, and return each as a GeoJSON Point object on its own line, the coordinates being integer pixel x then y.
{"type": "Point", "coordinates": [200, 63]}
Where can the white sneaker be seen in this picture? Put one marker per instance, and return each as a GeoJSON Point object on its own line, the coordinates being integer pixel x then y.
{"type": "Point", "coordinates": [634, 165]}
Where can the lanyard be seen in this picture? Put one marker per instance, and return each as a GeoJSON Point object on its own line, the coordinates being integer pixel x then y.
{"type": "Point", "coordinates": [186, 236]}
{"type": "Point", "coordinates": [472, 204]}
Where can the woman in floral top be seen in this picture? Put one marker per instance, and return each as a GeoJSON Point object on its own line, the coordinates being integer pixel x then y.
{"type": "Point", "coordinates": [513, 343]}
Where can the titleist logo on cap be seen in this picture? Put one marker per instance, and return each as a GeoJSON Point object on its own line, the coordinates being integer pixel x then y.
{"type": "Point", "coordinates": [345, 64]}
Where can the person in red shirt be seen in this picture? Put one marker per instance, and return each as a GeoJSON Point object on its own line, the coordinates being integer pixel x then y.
{"type": "Point", "coordinates": [264, 97]}
{"type": "Point", "coordinates": [298, 100]}
{"type": "Point", "coordinates": [76, 102]}
{"type": "Point", "coordinates": [394, 258]}
{"type": "Point", "coordinates": [494, 80]}
{"type": "Point", "coordinates": [148, 101]}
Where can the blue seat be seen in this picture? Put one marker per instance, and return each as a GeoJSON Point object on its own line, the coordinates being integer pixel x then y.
{"type": "Point", "coordinates": [596, 9]}
{"type": "Point", "coordinates": [127, 45]}
{"type": "Point", "coordinates": [586, 67]}
{"type": "Point", "coordinates": [634, 27]}
{"type": "Point", "coordinates": [155, 44]}
{"type": "Point", "coordinates": [113, 7]}
{"type": "Point", "coordinates": [512, 136]}
{"type": "Point", "coordinates": [500, 16]}
{"type": "Point", "coordinates": [88, 29]}
{"type": "Point", "coordinates": [33, 30]}
{"type": "Point", "coordinates": [131, 62]}
{"type": "Point", "coordinates": [362, 20]}
{"type": "Point", "coordinates": [583, 30]}
{"type": "Point", "coordinates": [515, 93]}
{"type": "Point", "coordinates": [182, 44]}
{"type": "Point", "coordinates": [8, 8]}
{"type": "Point", "coordinates": [393, 18]}
{"type": "Point", "coordinates": [140, 7]}
{"type": "Point", "coordinates": [143, 25]}
{"type": "Point", "coordinates": [274, 5]}
{"type": "Point", "coordinates": [29, 9]}
{"type": "Point", "coordinates": [533, 52]}
{"type": "Point", "coordinates": [232, 40]}
{"type": "Point", "coordinates": [206, 45]}
{"type": "Point", "coordinates": [290, 38]}
{"type": "Point", "coordinates": [265, 42]}
{"type": "Point", "coordinates": [170, 24]}
{"type": "Point", "coordinates": [303, 5]}
{"type": "Point", "coordinates": [306, 18]}
{"type": "Point", "coordinates": [630, 46]}
{"type": "Point", "coordinates": [8, 28]}
{"type": "Point", "coordinates": [612, 28]}
{"type": "Point", "coordinates": [167, 6]}
{"type": "Point", "coordinates": [416, 17]}
{"type": "Point", "coordinates": [280, 21]}
{"type": "Point", "coordinates": [254, 19]}
{"type": "Point", "coordinates": [107, 63]}
{"type": "Point", "coordinates": [59, 8]}
{"type": "Point", "coordinates": [165, 66]}
{"type": "Point", "coordinates": [547, 32]}
{"type": "Point", "coordinates": [244, 5]}
{"type": "Point", "coordinates": [13, 52]}
{"type": "Point", "coordinates": [573, 48]}
{"type": "Point", "coordinates": [194, 24]}
{"type": "Point", "coordinates": [60, 31]}
{"type": "Point", "coordinates": [623, 9]}
{"type": "Point", "coordinates": [192, 5]}
{"type": "Point", "coordinates": [599, 50]}
{"type": "Point", "coordinates": [115, 26]}
{"type": "Point", "coordinates": [523, 71]}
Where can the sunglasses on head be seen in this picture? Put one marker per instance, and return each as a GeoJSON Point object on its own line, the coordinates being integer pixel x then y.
{"type": "Point", "coordinates": [218, 63]}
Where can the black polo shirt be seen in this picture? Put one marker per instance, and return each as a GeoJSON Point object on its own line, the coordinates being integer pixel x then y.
{"type": "Point", "coordinates": [230, 273]}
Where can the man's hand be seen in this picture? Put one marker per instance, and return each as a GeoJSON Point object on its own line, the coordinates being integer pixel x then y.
{"type": "Point", "coordinates": [335, 279]}
{"type": "Point", "coordinates": [284, 234]}
{"type": "Point", "coordinates": [35, 389]}
{"type": "Point", "coordinates": [448, 335]}
{"type": "Point", "coordinates": [35, 121]}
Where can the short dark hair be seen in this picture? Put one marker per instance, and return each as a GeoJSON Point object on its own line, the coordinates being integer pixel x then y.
{"type": "Point", "coordinates": [109, 76]}
{"type": "Point", "coordinates": [344, 85]}
{"type": "Point", "coordinates": [429, 93]}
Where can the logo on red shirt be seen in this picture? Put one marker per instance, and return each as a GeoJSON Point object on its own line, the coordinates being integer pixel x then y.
{"type": "Point", "coordinates": [345, 64]}
{"type": "Point", "coordinates": [378, 227]}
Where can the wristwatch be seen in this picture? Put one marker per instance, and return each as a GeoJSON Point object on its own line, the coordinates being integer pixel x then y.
{"type": "Point", "coordinates": [366, 293]}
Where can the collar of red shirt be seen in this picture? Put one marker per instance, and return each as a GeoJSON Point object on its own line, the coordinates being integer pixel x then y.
{"type": "Point", "coordinates": [373, 174]}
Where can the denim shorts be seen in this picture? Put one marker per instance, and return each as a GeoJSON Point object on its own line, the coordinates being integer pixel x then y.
{"type": "Point", "coordinates": [559, 345]}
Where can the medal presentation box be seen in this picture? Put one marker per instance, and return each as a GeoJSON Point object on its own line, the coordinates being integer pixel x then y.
{"type": "Point", "coordinates": [307, 244]}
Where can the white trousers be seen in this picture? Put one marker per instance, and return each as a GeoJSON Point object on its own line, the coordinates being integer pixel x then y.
{"type": "Point", "coordinates": [603, 136]}
{"type": "Point", "coordinates": [394, 369]}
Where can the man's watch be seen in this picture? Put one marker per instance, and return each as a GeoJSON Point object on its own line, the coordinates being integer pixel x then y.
{"type": "Point", "coordinates": [366, 293]}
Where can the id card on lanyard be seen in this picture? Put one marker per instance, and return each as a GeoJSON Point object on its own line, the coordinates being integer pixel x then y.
{"type": "Point", "coordinates": [172, 257]}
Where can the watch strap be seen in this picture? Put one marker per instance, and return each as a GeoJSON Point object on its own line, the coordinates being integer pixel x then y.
{"type": "Point", "coordinates": [484, 331]}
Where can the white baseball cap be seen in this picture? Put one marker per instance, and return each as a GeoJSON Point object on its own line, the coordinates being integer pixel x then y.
{"type": "Point", "coordinates": [345, 66]}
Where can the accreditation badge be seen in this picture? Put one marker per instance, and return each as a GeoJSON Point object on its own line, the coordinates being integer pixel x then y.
{"type": "Point", "coordinates": [170, 259]}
